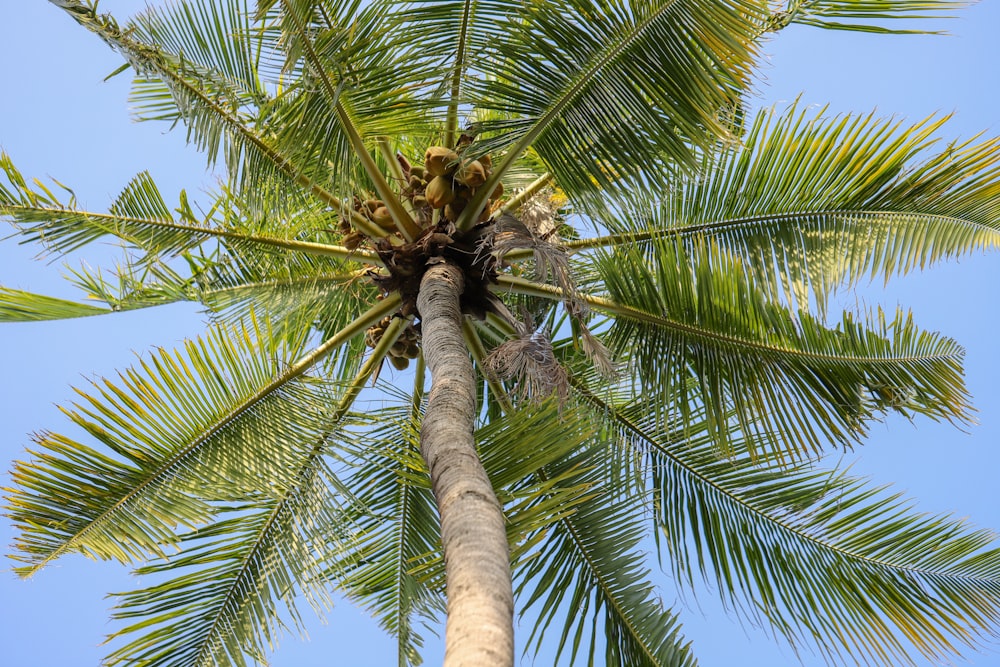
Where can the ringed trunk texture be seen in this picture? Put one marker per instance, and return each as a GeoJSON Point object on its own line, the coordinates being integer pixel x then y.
{"type": "Point", "coordinates": [479, 631]}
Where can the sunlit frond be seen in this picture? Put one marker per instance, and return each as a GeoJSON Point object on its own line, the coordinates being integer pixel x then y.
{"type": "Point", "coordinates": [20, 306]}
{"type": "Point", "coordinates": [680, 315]}
{"type": "Point", "coordinates": [612, 94]}
{"type": "Point", "coordinates": [231, 591]}
{"type": "Point", "coordinates": [878, 16]}
{"type": "Point", "coordinates": [589, 576]}
{"type": "Point", "coordinates": [176, 433]}
{"type": "Point", "coordinates": [812, 204]}
{"type": "Point", "coordinates": [831, 561]}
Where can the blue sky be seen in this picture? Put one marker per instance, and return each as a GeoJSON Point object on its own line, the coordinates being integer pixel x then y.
{"type": "Point", "coordinates": [59, 119]}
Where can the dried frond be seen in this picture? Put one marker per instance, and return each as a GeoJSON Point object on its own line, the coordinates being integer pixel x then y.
{"type": "Point", "coordinates": [530, 361]}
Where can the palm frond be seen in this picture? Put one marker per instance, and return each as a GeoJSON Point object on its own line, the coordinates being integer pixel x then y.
{"type": "Point", "coordinates": [20, 306]}
{"type": "Point", "coordinates": [177, 433]}
{"type": "Point", "coordinates": [871, 16]}
{"type": "Point", "coordinates": [846, 199]}
{"type": "Point", "coordinates": [350, 85]}
{"type": "Point", "coordinates": [176, 89]}
{"type": "Point", "coordinates": [140, 217]}
{"type": "Point", "coordinates": [223, 604]}
{"type": "Point", "coordinates": [457, 36]}
{"type": "Point", "coordinates": [589, 569]}
{"type": "Point", "coordinates": [826, 559]}
{"type": "Point", "coordinates": [679, 316]}
{"type": "Point", "coordinates": [399, 531]}
{"type": "Point", "coordinates": [612, 94]}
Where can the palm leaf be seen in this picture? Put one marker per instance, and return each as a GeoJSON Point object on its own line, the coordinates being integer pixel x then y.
{"type": "Point", "coordinates": [588, 568]}
{"type": "Point", "coordinates": [175, 88]}
{"type": "Point", "coordinates": [399, 532]}
{"type": "Point", "coordinates": [678, 316]}
{"type": "Point", "coordinates": [177, 433]}
{"type": "Point", "coordinates": [846, 199]}
{"type": "Point", "coordinates": [139, 216]}
{"type": "Point", "coordinates": [872, 14]}
{"type": "Point", "coordinates": [20, 306]}
{"type": "Point", "coordinates": [610, 93]}
{"type": "Point", "coordinates": [223, 606]}
{"type": "Point", "coordinates": [819, 555]}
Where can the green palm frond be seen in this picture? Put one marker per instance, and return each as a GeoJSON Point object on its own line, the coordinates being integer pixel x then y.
{"type": "Point", "coordinates": [400, 532]}
{"type": "Point", "coordinates": [588, 568]}
{"type": "Point", "coordinates": [217, 37]}
{"type": "Point", "coordinates": [457, 36]}
{"type": "Point", "coordinates": [680, 315]}
{"type": "Point", "coordinates": [223, 604]}
{"type": "Point", "coordinates": [847, 199]}
{"type": "Point", "coordinates": [819, 555]}
{"type": "Point", "coordinates": [140, 217]}
{"type": "Point", "coordinates": [870, 14]}
{"type": "Point", "coordinates": [216, 124]}
{"type": "Point", "coordinates": [20, 306]}
{"type": "Point", "coordinates": [350, 85]}
{"type": "Point", "coordinates": [180, 431]}
{"type": "Point", "coordinates": [611, 93]}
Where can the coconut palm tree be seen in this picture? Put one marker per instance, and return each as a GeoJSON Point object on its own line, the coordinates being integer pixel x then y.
{"type": "Point", "coordinates": [618, 280]}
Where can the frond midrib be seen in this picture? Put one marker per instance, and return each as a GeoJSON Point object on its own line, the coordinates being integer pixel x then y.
{"type": "Point", "coordinates": [631, 312]}
{"type": "Point", "coordinates": [612, 240]}
{"type": "Point", "coordinates": [306, 247]}
{"type": "Point", "coordinates": [762, 513]}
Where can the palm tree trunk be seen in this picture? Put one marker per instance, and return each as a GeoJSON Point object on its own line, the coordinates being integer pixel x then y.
{"type": "Point", "coordinates": [480, 627]}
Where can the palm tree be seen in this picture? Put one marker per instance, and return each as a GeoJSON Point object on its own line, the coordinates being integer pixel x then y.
{"type": "Point", "coordinates": [618, 281]}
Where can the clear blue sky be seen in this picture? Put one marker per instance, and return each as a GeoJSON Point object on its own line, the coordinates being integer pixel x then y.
{"type": "Point", "coordinates": [59, 119]}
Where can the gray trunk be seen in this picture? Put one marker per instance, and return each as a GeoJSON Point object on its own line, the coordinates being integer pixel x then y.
{"type": "Point", "coordinates": [480, 627]}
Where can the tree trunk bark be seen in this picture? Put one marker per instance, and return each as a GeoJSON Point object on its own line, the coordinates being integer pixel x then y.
{"type": "Point", "coordinates": [479, 631]}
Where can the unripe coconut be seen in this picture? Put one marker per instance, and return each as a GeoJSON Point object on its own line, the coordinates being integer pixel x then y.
{"type": "Point", "coordinates": [353, 240]}
{"type": "Point", "coordinates": [438, 160]}
{"type": "Point", "coordinates": [439, 192]}
{"type": "Point", "coordinates": [382, 218]}
{"type": "Point", "coordinates": [399, 363]}
{"type": "Point", "coordinates": [471, 173]}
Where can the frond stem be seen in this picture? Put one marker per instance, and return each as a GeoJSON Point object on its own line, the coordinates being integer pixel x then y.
{"type": "Point", "coordinates": [529, 288]}
{"type": "Point", "coordinates": [306, 247]}
{"type": "Point", "coordinates": [451, 122]}
{"type": "Point", "coordinates": [385, 307]}
{"type": "Point", "coordinates": [407, 227]}
{"type": "Point", "coordinates": [517, 200]}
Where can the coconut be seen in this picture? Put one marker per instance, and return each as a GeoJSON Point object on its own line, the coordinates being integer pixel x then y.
{"type": "Point", "coordinates": [382, 218]}
{"type": "Point", "coordinates": [439, 192]}
{"type": "Point", "coordinates": [471, 173]}
{"type": "Point", "coordinates": [439, 160]}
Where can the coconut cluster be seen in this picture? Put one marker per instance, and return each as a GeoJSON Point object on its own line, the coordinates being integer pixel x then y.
{"type": "Point", "coordinates": [406, 347]}
{"type": "Point", "coordinates": [446, 182]}
{"type": "Point", "coordinates": [372, 209]}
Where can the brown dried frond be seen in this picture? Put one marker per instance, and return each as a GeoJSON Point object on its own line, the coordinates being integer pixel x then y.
{"type": "Point", "coordinates": [598, 354]}
{"type": "Point", "coordinates": [531, 363]}
{"type": "Point", "coordinates": [510, 233]}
